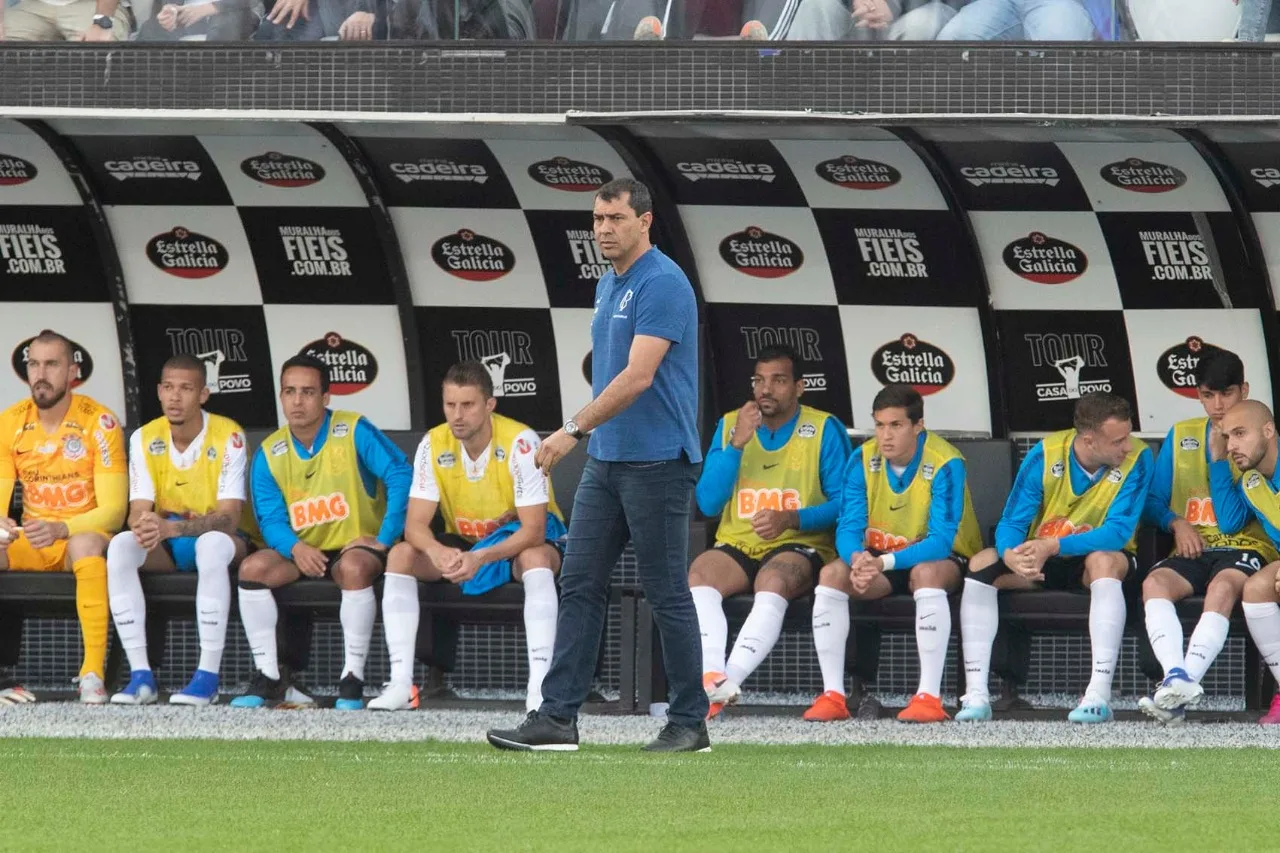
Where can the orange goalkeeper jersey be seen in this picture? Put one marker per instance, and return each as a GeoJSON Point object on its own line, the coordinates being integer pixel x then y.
{"type": "Point", "coordinates": [75, 474]}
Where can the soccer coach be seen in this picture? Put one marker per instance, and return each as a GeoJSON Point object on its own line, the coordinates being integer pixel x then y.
{"type": "Point", "coordinates": [643, 460]}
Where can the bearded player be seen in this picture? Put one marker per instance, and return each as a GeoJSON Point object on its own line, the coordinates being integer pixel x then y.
{"type": "Point", "coordinates": [1191, 474]}
{"type": "Point", "coordinates": [1250, 431]}
{"type": "Point", "coordinates": [773, 474]}
{"type": "Point", "coordinates": [67, 451]}
{"type": "Point", "coordinates": [186, 500]}
{"type": "Point", "coordinates": [501, 524]}
{"type": "Point", "coordinates": [906, 526]}
{"type": "Point", "coordinates": [329, 493]}
{"type": "Point", "coordinates": [1069, 522]}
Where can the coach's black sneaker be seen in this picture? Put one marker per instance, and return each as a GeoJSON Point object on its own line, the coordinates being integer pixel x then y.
{"type": "Point", "coordinates": [263, 692]}
{"type": "Point", "coordinates": [677, 738]}
{"type": "Point", "coordinates": [539, 732]}
{"type": "Point", "coordinates": [350, 694]}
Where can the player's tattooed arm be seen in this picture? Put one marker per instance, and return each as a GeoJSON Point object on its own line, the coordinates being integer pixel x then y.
{"type": "Point", "coordinates": [220, 521]}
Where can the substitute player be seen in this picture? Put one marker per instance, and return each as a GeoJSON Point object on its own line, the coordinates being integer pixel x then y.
{"type": "Point", "coordinates": [67, 450]}
{"type": "Point", "coordinates": [773, 475]}
{"type": "Point", "coordinates": [1251, 444]}
{"type": "Point", "coordinates": [501, 522]}
{"type": "Point", "coordinates": [906, 525]}
{"type": "Point", "coordinates": [329, 493]}
{"type": "Point", "coordinates": [1205, 560]}
{"type": "Point", "coordinates": [187, 496]}
{"type": "Point", "coordinates": [1069, 521]}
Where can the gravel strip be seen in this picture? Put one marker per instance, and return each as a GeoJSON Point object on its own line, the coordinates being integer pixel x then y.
{"type": "Point", "coordinates": [71, 720]}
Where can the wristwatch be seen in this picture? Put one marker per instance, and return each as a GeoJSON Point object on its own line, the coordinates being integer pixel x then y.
{"type": "Point", "coordinates": [571, 429]}
{"type": "Point", "coordinates": [103, 21]}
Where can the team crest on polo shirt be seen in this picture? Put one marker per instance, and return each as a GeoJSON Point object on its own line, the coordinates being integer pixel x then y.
{"type": "Point", "coordinates": [72, 448]}
{"type": "Point", "coordinates": [1058, 470]}
{"type": "Point", "coordinates": [1252, 481]}
{"type": "Point", "coordinates": [807, 430]}
{"type": "Point", "coordinates": [926, 471]}
{"type": "Point", "coordinates": [1115, 476]}
{"type": "Point", "coordinates": [1189, 443]}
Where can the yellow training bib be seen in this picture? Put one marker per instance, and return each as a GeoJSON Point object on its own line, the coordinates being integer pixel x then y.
{"type": "Point", "coordinates": [327, 502]}
{"type": "Point", "coordinates": [788, 478]}
{"type": "Point", "coordinates": [471, 509]}
{"type": "Point", "coordinates": [896, 520]}
{"type": "Point", "coordinates": [1062, 511]}
{"type": "Point", "coordinates": [1190, 497]}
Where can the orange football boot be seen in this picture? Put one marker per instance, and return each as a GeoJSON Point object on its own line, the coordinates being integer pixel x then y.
{"type": "Point", "coordinates": [828, 708]}
{"type": "Point", "coordinates": [923, 708]}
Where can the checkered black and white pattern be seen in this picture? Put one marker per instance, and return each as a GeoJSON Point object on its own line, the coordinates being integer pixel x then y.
{"type": "Point", "coordinates": [51, 272]}
{"type": "Point", "coordinates": [245, 245]}
{"type": "Point", "coordinates": [1112, 263]}
{"type": "Point", "coordinates": [843, 248]}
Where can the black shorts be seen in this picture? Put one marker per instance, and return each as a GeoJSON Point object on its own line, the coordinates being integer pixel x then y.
{"type": "Point", "coordinates": [752, 567]}
{"type": "Point", "coordinates": [1060, 573]}
{"type": "Point", "coordinates": [333, 554]}
{"type": "Point", "coordinates": [900, 579]}
{"type": "Point", "coordinates": [1200, 571]}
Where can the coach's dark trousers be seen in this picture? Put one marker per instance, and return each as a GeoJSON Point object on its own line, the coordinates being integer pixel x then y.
{"type": "Point", "coordinates": [647, 503]}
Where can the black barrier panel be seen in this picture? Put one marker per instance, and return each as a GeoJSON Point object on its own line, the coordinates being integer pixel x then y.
{"type": "Point", "coordinates": [898, 257]}
{"type": "Point", "coordinates": [1257, 170]}
{"type": "Point", "coordinates": [146, 169]}
{"type": "Point", "coordinates": [1010, 175]}
{"type": "Point", "coordinates": [1180, 260]}
{"type": "Point", "coordinates": [707, 170]}
{"type": "Point", "coordinates": [1055, 357]}
{"type": "Point", "coordinates": [571, 260]}
{"type": "Point", "coordinates": [739, 332]}
{"type": "Point", "coordinates": [517, 347]}
{"type": "Point", "coordinates": [231, 340]}
{"type": "Point", "coordinates": [314, 256]}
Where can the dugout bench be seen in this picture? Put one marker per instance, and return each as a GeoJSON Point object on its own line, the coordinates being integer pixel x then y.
{"type": "Point", "coordinates": [991, 464]}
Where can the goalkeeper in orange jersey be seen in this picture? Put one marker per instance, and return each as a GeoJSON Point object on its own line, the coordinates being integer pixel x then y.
{"type": "Point", "coordinates": [67, 450]}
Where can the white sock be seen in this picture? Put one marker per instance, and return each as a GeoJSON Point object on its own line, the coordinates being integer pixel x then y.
{"type": "Point", "coordinates": [713, 626]}
{"type": "Point", "coordinates": [979, 621]}
{"type": "Point", "coordinates": [1165, 632]}
{"type": "Point", "coordinates": [400, 611]}
{"type": "Point", "coordinates": [1263, 619]}
{"type": "Point", "coordinates": [541, 607]}
{"type": "Point", "coordinates": [1207, 641]}
{"type": "Point", "coordinates": [758, 635]}
{"type": "Point", "coordinates": [356, 613]}
{"type": "Point", "coordinates": [933, 632]}
{"type": "Point", "coordinates": [831, 635]}
{"type": "Point", "coordinates": [258, 615]}
{"type": "Point", "coordinates": [214, 553]}
{"type": "Point", "coordinates": [1106, 629]}
{"type": "Point", "coordinates": [128, 607]}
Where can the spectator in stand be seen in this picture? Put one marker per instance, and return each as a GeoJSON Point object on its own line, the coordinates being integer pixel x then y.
{"type": "Point", "coordinates": [1030, 20]}
{"type": "Point", "coordinates": [822, 20]}
{"type": "Point", "coordinates": [216, 20]}
{"type": "Point", "coordinates": [66, 20]}
{"type": "Point", "coordinates": [321, 20]}
{"type": "Point", "coordinates": [431, 20]}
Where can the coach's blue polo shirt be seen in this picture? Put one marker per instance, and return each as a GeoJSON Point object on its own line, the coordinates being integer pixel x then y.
{"type": "Point", "coordinates": [653, 297]}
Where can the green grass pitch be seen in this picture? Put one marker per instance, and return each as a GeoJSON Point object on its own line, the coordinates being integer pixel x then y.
{"type": "Point", "coordinates": [202, 795]}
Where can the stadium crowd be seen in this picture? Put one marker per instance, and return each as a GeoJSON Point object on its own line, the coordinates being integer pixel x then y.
{"type": "Point", "coordinates": [800, 512]}
{"type": "Point", "coordinates": [589, 20]}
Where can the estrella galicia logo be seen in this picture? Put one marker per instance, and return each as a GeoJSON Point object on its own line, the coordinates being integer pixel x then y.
{"type": "Point", "coordinates": [473, 256]}
{"type": "Point", "coordinates": [1044, 259]}
{"type": "Point", "coordinates": [758, 253]}
{"type": "Point", "coordinates": [857, 173]}
{"type": "Point", "coordinates": [79, 355]}
{"type": "Point", "coordinates": [575, 176]}
{"type": "Point", "coordinates": [15, 171]}
{"type": "Point", "coordinates": [1176, 366]}
{"type": "Point", "coordinates": [352, 367]}
{"type": "Point", "coordinates": [1140, 176]}
{"type": "Point", "coordinates": [286, 171]}
{"type": "Point", "coordinates": [911, 361]}
{"type": "Point", "coordinates": [187, 254]}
